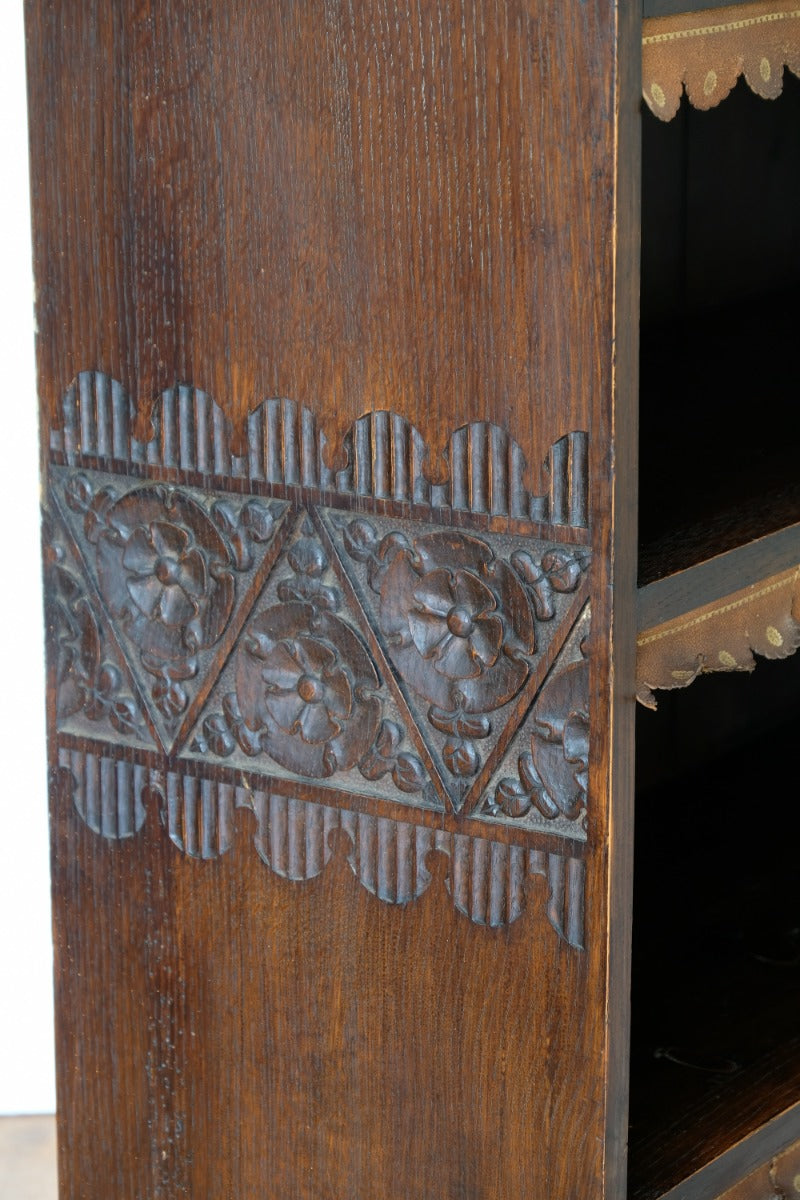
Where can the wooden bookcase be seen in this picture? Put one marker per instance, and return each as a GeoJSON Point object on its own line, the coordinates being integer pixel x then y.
{"type": "Point", "coordinates": [339, 330]}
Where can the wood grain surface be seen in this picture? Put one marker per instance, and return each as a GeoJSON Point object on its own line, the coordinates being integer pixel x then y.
{"type": "Point", "coordinates": [430, 208]}
{"type": "Point", "coordinates": [356, 206]}
{"type": "Point", "coordinates": [219, 1025]}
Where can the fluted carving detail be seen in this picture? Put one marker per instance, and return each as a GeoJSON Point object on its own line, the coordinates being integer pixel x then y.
{"type": "Point", "coordinates": [488, 882]}
{"type": "Point", "coordinates": [107, 792]}
{"type": "Point", "coordinates": [199, 814]}
{"type": "Point", "coordinates": [386, 456]}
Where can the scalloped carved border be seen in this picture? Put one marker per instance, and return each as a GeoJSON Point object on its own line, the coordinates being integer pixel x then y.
{"type": "Point", "coordinates": [488, 881]}
{"type": "Point", "coordinates": [707, 52]}
{"type": "Point", "coordinates": [386, 456]}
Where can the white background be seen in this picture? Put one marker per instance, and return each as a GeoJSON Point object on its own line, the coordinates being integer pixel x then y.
{"type": "Point", "coordinates": [26, 1006]}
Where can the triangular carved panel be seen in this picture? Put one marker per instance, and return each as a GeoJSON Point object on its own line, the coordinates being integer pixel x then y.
{"type": "Point", "coordinates": [466, 626]}
{"type": "Point", "coordinates": [542, 780]}
{"type": "Point", "coordinates": [95, 695]}
{"type": "Point", "coordinates": [302, 697]}
{"type": "Point", "coordinates": [176, 571]}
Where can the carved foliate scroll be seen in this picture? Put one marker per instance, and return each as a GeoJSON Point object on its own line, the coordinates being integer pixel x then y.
{"type": "Point", "coordinates": [369, 651]}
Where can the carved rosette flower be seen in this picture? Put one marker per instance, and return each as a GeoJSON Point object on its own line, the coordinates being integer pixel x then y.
{"type": "Point", "coordinates": [304, 685]}
{"type": "Point", "coordinates": [307, 693]}
{"type": "Point", "coordinates": [167, 577]}
{"type": "Point", "coordinates": [453, 624]}
{"type": "Point", "coordinates": [164, 570]}
{"type": "Point", "coordinates": [459, 622]}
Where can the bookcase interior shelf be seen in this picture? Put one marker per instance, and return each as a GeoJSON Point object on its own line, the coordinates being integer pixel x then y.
{"type": "Point", "coordinates": [720, 376]}
{"type": "Point", "coordinates": [715, 1040]}
{"type": "Point", "coordinates": [716, 957]}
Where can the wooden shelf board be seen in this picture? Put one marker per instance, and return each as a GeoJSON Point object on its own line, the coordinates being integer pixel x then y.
{"type": "Point", "coordinates": [665, 8]}
{"type": "Point", "coordinates": [680, 592]}
{"type": "Point", "coordinates": [741, 1159]}
{"type": "Point", "coordinates": [715, 1033]}
{"type": "Point", "coordinates": [713, 1147]}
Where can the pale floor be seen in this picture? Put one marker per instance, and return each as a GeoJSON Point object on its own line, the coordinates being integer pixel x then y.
{"type": "Point", "coordinates": [28, 1158]}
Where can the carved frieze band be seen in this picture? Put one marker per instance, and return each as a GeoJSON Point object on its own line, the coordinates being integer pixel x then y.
{"type": "Point", "coordinates": [335, 636]}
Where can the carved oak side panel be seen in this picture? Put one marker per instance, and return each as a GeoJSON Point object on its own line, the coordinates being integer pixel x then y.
{"type": "Point", "coordinates": [357, 649]}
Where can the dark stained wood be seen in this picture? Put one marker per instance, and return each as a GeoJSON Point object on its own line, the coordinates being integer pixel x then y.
{"type": "Point", "coordinates": [341, 219]}
{"type": "Point", "coordinates": [714, 475]}
{"type": "Point", "coordinates": [703, 173]}
{"type": "Point", "coordinates": [269, 1036]}
{"type": "Point", "coordinates": [766, 508]}
{"type": "Point", "coordinates": [248, 182]}
{"type": "Point", "coordinates": [735, 1164]}
{"type": "Point", "coordinates": [715, 1077]}
{"type": "Point", "coordinates": [720, 423]}
{"type": "Point", "coordinates": [665, 8]}
{"type": "Point", "coordinates": [781, 1173]}
{"type": "Point", "coordinates": [337, 314]}
{"type": "Point", "coordinates": [718, 1145]}
{"type": "Point", "coordinates": [751, 562]}
{"type": "Point", "coordinates": [614, 686]}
